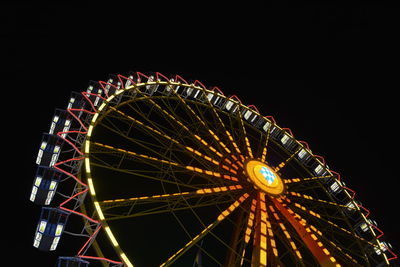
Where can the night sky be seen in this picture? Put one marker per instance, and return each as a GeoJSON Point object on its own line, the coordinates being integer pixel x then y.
{"type": "Point", "coordinates": [328, 72]}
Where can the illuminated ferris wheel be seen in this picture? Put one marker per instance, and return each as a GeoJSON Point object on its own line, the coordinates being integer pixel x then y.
{"type": "Point", "coordinates": [167, 172]}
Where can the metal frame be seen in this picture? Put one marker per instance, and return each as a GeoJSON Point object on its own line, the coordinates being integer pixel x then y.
{"type": "Point", "coordinates": [196, 140]}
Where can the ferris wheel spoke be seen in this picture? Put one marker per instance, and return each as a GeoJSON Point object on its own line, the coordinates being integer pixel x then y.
{"type": "Point", "coordinates": [189, 150]}
{"type": "Point", "coordinates": [249, 228]}
{"type": "Point", "coordinates": [150, 175]}
{"type": "Point", "coordinates": [264, 240]}
{"type": "Point", "coordinates": [288, 237]}
{"type": "Point", "coordinates": [151, 147]}
{"type": "Point", "coordinates": [246, 139]}
{"type": "Point", "coordinates": [265, 147]}
{"type": "Point", "coordinates": [325, 202]}
{"type": "Point", "coordinates": [342, 231]}
{"type": "Point", "coordinates": [229, 135]}
{"type": "Point", "coordinates": [206, 127]}
{"type": "Point", "coordinates": [283, 163]}
{"type": "Point", "coordinates": [199, 139]}
{"type": "Point", "coordinates": [206, 230]}
{"type": "Point", "coordinates": [166, 197]}
{"type": "Point", "coordinates": [307, 235]}
{"type": "Point", "coordinates": [307, 179]}
{"type": "Point", "coordinates": [130, 208]}
{"type": "Point", "coordinates": [204, 172]}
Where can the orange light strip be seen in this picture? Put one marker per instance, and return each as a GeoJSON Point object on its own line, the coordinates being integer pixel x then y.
{"type": "Point", "coordinates": [211, 173]}
{"type": "Point", "coordinates": [191, 168]}
{"type": "Point", "coordinates": [197, 192]}
{"type": "Point", "coordinates": [285, 232]}
{"type": "Point", "coordinates": [209, 130]}
{"type": "Point", "coordinates": [201, 140]}
{"type": "Point", "coordinates": [306, 234]}
{"type": "Point", "coordinates": [219, 189]}
{"type": "Point", "coordinates": [194, 151]}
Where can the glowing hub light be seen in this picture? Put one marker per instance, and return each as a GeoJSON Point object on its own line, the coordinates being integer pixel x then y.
{"type": "Point", "coordinates": [264, 177]}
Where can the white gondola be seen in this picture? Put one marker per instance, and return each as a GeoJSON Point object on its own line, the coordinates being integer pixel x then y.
{"type": "Point", "coordinates": [50, 228]}
{"type": "Point", "coordinates": [49, 150]}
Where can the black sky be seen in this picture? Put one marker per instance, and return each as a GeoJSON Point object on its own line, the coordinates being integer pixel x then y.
{"type": "Point", "coordinates": [327, 71]}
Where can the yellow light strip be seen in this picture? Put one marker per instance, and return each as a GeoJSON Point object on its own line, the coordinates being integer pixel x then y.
{"type": "Point", "coordinates": [111, 236]}
{"type": "Point", "coordinates": [331, 223]}
{"type": "Point", "coordinates": [283, 163]}
{"type": "Point", "coordinates": [91, 187]}
{"type": "Point", "coordinates": [232, 207]}
{"type": "Point", "coordinates": [250, 221]}
{"type": "Point", "coordinates": [263, 230]}
{"type": "Point", "coordinates": [235, 145]}
{"type": "Point", "coordinates": [318, 200]}
{"type": "Point", "coordinates": [296, 180]}
{"type": "Point", "coordinates": [264, 217]}
{"type": "Point", "coordinates": [311, 230]}
{"type": "Point", "coordinates": [99, 211]}
{"type": "Point", "coordinates": [265, 149]}
{"type": "Point", "coordinates": [222, 216]}
{"type": "Point", "coordinates": [249, 227]}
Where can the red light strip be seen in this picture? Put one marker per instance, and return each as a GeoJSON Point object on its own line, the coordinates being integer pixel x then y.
{"type": "Point", "coordinates": [254, 108]}
{"type": "Point", "coordinates": [305, 143]}
{"type": "Point", "coordinates": [90, 238]}
{"type": "Point", "coordinates": [120, 77]}
{"type": "Point", "coordinates": [69, 142]}
{"type": "Point", "coordinates": [139, 74]}
{"type": "Point", "coordinates": [56, 166]}
{"type": "Point", "coordinates": [83, 110]}
{"type": "Point", "coordinates": [289, 131]}
{"type": "Point", "coordinates": [321, 158]}
{"type": "Point", "coordinates": [198, 82]}
{"type": "Point", "coordinates": [336, 173]}
{"type": "Point", "coordinates": [67, 173]}
{"type": "Point", "coordinates": [102, 84]}
{"type": "Point", "coordinates": [179, 78]}
{"type": "Point", "coordinates": [215, 88]}
{"type": "Point", "coordinates": [99, 258]}
{"type": "Point", "coordinates": [235, 98]}
{"type": "Point", "coordinates": [158, 75]}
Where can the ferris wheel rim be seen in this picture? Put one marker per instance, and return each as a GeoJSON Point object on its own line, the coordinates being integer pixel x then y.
{"type": "Point", "coordinates": [138, 85]}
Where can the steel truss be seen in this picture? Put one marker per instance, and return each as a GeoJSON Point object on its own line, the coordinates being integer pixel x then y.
{"type": "Point", "coordinates": [158, 147]}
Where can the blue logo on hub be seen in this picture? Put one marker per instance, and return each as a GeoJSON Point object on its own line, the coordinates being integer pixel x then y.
{"type": "Point", "coordinates": [268, 175]}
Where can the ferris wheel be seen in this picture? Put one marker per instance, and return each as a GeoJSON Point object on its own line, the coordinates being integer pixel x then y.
{"type": "Point", "coordinates": [168, 172]}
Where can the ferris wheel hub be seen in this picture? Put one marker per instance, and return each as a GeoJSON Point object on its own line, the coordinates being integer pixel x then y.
{"type": "Point", "coordinates": [264, 177]}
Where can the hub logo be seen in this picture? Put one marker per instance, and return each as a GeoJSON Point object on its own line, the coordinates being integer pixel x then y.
{"type": "Point", "coordinates": [268, 175]}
